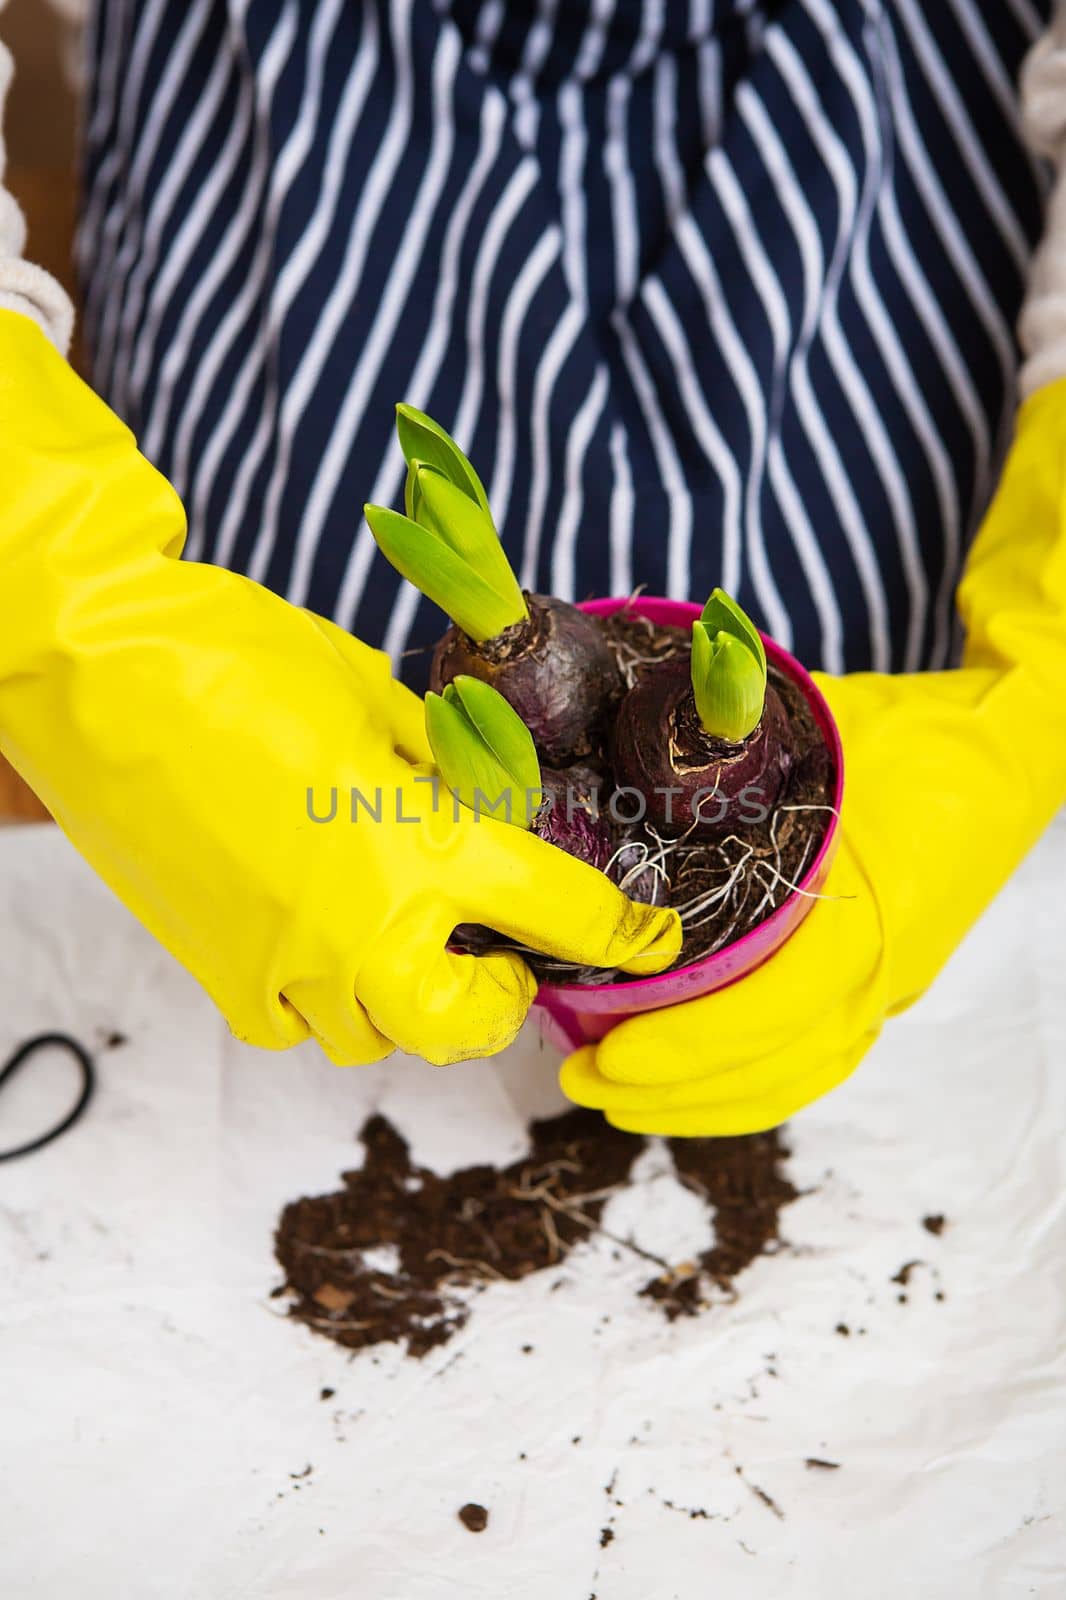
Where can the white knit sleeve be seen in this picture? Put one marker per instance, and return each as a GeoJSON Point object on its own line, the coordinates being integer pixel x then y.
{"type": "Point", "coordinates": [1042, 325]}
{"type": "Point", "coordinates": [24, 287]}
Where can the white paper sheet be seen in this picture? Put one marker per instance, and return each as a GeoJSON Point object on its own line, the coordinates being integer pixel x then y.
{"type": "Point", "coordinates": [157, 1409]}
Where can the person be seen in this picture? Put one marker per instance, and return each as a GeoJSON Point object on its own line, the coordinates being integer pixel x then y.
{"type": "Point", "coordinates": [711, 295]}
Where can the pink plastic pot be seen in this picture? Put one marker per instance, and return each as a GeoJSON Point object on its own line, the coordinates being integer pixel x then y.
{"type": "Point", "coordinates": [572, 1014]}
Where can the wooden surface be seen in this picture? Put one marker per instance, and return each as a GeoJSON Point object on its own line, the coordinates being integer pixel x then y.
{"type": "Point", "coordinates": [17, 802]}
{"type": "Point", "coordinates": [40, 130]}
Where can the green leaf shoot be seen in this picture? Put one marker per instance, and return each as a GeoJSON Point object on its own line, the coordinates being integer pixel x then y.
{"type": "Point", "coordinates": [484, 751]}
{"type": "Point", "coordinates": [422, 439]}
{"type": "Point", "coordinates": [432, 564]}
{"type": "Point", "coordinates": [445, 510]}
{"type": "Point", "coordinates": [728, 683]}
{"type": "Point", "coordinates": [722, 614]}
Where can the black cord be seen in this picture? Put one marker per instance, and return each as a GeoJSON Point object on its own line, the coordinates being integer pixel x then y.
{"type": "Point", "coordinates": [48, 1041]}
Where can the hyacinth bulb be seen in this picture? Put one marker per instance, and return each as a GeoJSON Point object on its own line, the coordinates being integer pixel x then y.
{"type": "Point", "coordinates": [708, 744]}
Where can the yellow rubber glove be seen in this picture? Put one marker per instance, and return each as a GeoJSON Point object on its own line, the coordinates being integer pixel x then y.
{"type": "Point", "coordinates": [173, 717]}
{"type": "Point", "coordinates": [949, 778]}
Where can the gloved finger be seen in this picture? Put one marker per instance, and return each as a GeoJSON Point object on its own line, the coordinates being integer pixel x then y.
{"type": "Point", "coordinates": [582, 1079]}
{"type": "Point", "coordinates": [752, 1115]}
{"type": "Point", "coordinates": [547, 900]}
{"type": "Point", "coordinates": [831, 962]}
{"type": "Point", "coordinates": [337, 1022]}
{"type": "Point", "coordinates": [439, 1005]}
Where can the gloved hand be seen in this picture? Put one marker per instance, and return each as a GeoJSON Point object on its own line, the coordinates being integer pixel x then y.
{"type": "Point", "coordinates": [949, 778]}
{"type": "Point", "coordinates": [173, 718]}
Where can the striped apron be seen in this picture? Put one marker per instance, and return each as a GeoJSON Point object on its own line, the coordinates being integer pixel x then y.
{"type": "Point", "coordinates": [712, 291]}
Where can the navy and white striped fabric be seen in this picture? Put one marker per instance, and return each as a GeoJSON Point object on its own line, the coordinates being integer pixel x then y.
{"type": "Point", "coordinates": [710, 290]}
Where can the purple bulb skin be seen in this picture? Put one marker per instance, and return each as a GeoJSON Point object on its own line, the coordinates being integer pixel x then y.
{"type": "Point", "coordinates": [570, 817]}
{"type": "Point", "coordinates": [574, 820]}
{"type": "Point", "coordinates": [690, 780]}
{"type": "Point", "coordinates": [555, 669]}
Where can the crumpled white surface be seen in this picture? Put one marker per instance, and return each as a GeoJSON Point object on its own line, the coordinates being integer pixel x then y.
{"type": "Point", "coordinates": [157, 1410]}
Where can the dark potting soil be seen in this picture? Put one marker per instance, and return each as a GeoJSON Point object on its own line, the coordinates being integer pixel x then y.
{"type": "Point", "coordinates": [396, 1253]}
{"type": "Point", "coordinates": [723, 888]}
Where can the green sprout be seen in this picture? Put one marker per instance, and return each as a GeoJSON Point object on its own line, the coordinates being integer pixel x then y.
{"type": "Point", "coordinates": [728, 670]}
{"type": "Point", "coordinates": [422, 439]}
{"type": "Point", "coordinates": [447, 544]}
{"type": "Point", "coordinates": [484, 751]}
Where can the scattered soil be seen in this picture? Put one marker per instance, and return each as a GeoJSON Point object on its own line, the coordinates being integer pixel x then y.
{"type": "Point", "coordinates": [761, 1495]}
{"type": "Point", "coordinates": [474, 1517]}
{"type": "Point", "coordinates": [693, 1513]}
{"type": "Point", "coordinates": [396, 1253]}
{"type": "Point", "coordinates": [750, 873]}
{"type": "Point", "coordinates": [741, 1181]}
